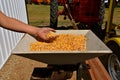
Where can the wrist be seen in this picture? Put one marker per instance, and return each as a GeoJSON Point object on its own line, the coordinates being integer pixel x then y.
{"type": "Point", "coordinates": [32, 31]}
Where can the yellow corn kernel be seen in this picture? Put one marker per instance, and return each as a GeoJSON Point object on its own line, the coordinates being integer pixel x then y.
{"type": "Point", "coordinates": [51, 34]}
{"type": "Point", "coordinates": [64, 42]}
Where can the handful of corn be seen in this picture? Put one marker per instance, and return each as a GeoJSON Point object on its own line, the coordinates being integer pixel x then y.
{"type": "Point", "coordinates": [61, 42]}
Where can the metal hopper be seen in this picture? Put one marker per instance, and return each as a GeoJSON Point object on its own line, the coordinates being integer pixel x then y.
{"type": "Point", "coordinates": [95, 48]}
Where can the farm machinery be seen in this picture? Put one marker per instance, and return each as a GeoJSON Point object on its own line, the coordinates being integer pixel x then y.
{"type": "Point", "coordinates": [112, 40]}
{"type": "Point", "coordinates": [86, 17]}
{"type": "Point", "coordinates": [87, 14]}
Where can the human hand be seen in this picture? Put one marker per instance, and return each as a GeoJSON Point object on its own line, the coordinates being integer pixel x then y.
{"type": "Point", "coordinates": [42, 33]}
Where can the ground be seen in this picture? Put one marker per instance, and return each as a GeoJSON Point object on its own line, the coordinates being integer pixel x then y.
{"type": "Point", "coordinates": [21, 68]}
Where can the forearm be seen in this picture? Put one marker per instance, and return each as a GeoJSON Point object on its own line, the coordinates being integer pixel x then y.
{"type": "Point", "coordinates": [16, 25]}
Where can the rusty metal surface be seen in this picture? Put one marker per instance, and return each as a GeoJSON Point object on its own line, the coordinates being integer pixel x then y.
{"type": "Point", "coordinates": [95, 47]}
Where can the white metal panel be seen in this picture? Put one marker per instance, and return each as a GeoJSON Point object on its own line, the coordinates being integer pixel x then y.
{"type": "Point", "coordinates": [9, 39]}
{"type": "Point", "coordinates": [1, 56]}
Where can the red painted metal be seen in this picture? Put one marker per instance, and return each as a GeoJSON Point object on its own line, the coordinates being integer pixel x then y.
{"type": "Point", "coordinates": [85, 11]}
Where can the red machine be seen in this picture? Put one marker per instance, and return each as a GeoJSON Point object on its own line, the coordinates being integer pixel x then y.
{"type": "Point", "coordinates": [84, 11]}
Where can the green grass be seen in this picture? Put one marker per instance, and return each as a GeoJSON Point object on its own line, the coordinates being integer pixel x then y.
{"type": "Point", "coordinates": [116, 16]}
{"type": "Point", "coordinates": [39, 15]}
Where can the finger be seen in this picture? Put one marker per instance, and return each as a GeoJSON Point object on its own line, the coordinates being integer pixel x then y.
{"type": "Point", "coordinates": [53, 30]}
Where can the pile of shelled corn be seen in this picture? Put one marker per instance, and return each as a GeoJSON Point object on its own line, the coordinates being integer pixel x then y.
{"type": "Point", "coordinates": [61, 42]}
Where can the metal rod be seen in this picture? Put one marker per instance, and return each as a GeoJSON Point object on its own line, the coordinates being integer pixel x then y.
{"type": "Point", "coordinates": [110, 18]}
{"type": "Point", "coordinates": [79, 72]}
{"type": "Point", "coordinates": [70, 16]}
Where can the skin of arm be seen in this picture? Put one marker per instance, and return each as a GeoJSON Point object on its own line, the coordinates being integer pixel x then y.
{"type": "Point", "coordinates": [16, 25]}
